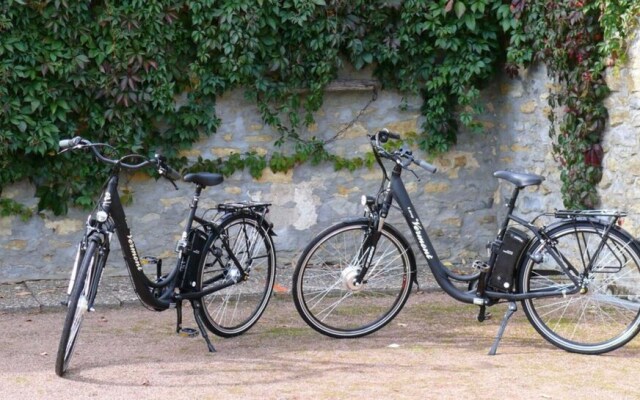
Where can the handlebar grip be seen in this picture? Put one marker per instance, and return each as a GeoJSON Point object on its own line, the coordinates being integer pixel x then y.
{"type": "Point", "coordinates": [67, 143]}
{"type": "Point", "coordinates": [426, 166]}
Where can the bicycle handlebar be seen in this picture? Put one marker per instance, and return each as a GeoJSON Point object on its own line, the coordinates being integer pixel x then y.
{"type": "Point", "coordinates": [383, 136]}
{"type": "Point", "coordinates": [426, 166]}
{"type": "Point", "coordinates": [159, 161]}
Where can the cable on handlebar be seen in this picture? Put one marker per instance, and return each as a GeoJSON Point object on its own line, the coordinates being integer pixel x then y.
{"type": "Point", "coordinates": [158, 160]}
{"type": "Point", "coordinates": [397, 156]}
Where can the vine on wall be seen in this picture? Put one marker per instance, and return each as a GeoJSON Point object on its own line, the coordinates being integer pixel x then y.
{"type": "Point", "coordinates": [108, 71]}
{"type": "Point", "coordinates": [144, 76]}
{"type": "Point", "coordinates": [576, 40]}
{"type": "Point", "coordinates": [112, 71]}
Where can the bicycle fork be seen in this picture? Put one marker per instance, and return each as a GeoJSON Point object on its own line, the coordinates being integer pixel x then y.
{"type": "Point", "coordinates": [365, 257]}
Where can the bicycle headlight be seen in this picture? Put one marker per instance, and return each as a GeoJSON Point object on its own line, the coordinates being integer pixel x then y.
{"type": "Point", "coordinates": [367, 201]}
{"type": "Point", "coordinates": [101, 216]}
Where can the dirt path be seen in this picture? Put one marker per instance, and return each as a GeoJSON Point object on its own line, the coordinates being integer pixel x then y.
{"type": "Point", "coordinates": [434, 349]}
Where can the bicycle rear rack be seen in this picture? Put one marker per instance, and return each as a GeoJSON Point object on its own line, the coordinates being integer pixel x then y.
{"type": "Point", "coordinates": [564, 214]}
{"type": "Point", "coordinates": [244, 205]}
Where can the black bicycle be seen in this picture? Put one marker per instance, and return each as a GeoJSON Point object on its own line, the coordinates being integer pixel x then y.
{"type": "Point", "coordinates": [578, 279]}
{"type": "Point", "coordinates": [226, 263]}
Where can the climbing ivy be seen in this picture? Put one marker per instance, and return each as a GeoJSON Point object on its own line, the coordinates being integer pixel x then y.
{"type": "Point", "coordinates": [144, 76]}
{"type": "Point", "coordinates": [576, 40]}
{"type": "Point", "coordinates": [108, 71]}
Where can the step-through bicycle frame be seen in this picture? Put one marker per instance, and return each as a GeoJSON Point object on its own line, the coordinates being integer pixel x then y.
{"type": "Point", "coordinates": [183, 282]}
{"type": "Point", "coordinates": [144, 287]}
{"type": "Point", "coordinates": [396, 191]}
{"type": "Point", "coordinates": [560, 272]}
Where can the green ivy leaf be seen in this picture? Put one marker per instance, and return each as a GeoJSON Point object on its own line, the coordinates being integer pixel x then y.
{"type": "Point", "coordinates": [459, 8]}
{"type": "Point", "coordinates": [470, 22]}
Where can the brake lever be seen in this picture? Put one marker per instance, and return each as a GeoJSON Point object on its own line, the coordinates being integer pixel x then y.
{"type": "Point", "coordinates": [408, 156]}
{"type": "Point", "coordinates": [172, 182]}
{"type": "Point", "coordinates": [163, 173]}
{"type": "Point", "coordinates": [405, 165]}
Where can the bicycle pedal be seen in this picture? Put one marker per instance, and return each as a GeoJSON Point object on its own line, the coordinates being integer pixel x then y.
{"type": "Point", "coordinates": [480, 266]}
{"type": "Point", "coordinates": [188, 332]}
{"type": "Point", "coordinates": [149, 260]}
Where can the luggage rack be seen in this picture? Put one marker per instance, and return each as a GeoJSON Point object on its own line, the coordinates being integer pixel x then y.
{"type": "Point", "coordinates": [607, 215]}
{"type": "Point", "coordinates": [589, 213]}
{"type": "Point", "coordinates": [243, 205]}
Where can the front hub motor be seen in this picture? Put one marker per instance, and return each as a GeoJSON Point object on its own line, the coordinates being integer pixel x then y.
{"type": "Point", "coordinates": [349, 276]}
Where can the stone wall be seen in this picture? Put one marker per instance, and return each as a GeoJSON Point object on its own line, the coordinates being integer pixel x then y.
{"type": "Point", "coordinates": [620, 185]}
{"type": "Point", "coordinates": [461, 205]}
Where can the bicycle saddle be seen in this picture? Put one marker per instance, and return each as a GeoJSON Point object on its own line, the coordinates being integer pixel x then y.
{"type": "Point", "coordinates": [204, 178]}
{"type": "Point", "coordinates": [519, 179]}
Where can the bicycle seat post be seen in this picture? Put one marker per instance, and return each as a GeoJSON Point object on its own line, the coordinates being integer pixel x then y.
{"type": "Point", "coordinates": [192, 213]}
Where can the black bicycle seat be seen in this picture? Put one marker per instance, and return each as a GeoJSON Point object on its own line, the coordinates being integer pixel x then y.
{"type": "Point", "coordinates": [519, 179]}
{"type": "Point", "coordinates": [204, 178]}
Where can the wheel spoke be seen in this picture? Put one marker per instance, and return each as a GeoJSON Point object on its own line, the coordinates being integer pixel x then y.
{"type": "Point", "coordinates": [603, 314]}
{"type": "Point", "coordinates": [326, 291]}
{"type": "Point", "coordinates": [233, 310]}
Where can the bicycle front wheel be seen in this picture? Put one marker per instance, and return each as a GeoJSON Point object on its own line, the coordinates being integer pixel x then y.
{"type": "Point", "coordinates": [603, 313]}
{"type": "Point", "coordinates": [78, 305]}
{"type": "Point", "coordinates": [324, 290]}
{"type": "Point", "coordinates": [236, 308]}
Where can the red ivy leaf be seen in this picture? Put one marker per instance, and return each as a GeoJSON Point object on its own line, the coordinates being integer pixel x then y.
{"type": "Point", "coordinates": [449, 6]}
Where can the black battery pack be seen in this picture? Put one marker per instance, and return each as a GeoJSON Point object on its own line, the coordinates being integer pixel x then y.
{"type": "Point", "coordinates": [195, 248]}
{"type": "Point", "coordinates": [503, 272]}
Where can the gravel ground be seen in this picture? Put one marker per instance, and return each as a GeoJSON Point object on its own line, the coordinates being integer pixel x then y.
{"type": "Point", "coordinates": [434, 349]}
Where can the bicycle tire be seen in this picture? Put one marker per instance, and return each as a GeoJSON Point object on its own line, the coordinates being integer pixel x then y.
{"type": "Point", "coordinates": [76, 308]}
{"type": "Point", "coordinates": [606, 314]}
{"type": "Point", "coordinates": [235, 309]}
{"type": "Point", "coordinates": [324, 294]}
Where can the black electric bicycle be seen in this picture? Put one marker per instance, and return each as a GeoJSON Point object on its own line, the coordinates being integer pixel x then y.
{"type": "Point", "coordinates": [226, 263]}
{"type": "Point", "coordinates": [578, 279]}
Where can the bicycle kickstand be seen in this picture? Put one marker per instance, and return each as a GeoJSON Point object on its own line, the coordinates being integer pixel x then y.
{"type": "Point", "coordinates": [512, 309]}
{"type": "Point", "coordinates": [203, 331]}
{"type": "Point", "coordinates": [188, 332]}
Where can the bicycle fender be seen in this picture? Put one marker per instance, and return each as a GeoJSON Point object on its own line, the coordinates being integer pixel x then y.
{"type": "Point", "coordinates": [527, 250]}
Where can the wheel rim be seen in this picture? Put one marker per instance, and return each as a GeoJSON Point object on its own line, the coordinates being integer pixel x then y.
{"type": "Point", "coordinates": [234, 309]}
{"type": "Point", "coordinates": [330, 299]}
{"type": "Point", "coordinates": [78, 317]}
{"type": "Point", "coordinates": [81, 308]}
{"type": "Point", "coordinates": [603, 315]}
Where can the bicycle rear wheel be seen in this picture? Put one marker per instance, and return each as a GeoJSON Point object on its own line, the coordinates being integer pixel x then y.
{"type": "Point", "coordinates": [235, 309]}
{"type": "Point", "coordinates": [323, 282]}
{"type": "Point", "coordinates": [605, 313]}
{"type": "Point", "coordinates": [82, 296]}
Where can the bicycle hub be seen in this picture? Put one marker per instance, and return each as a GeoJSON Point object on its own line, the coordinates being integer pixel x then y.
{"type": "Point", "coordinates": [349, 278]}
